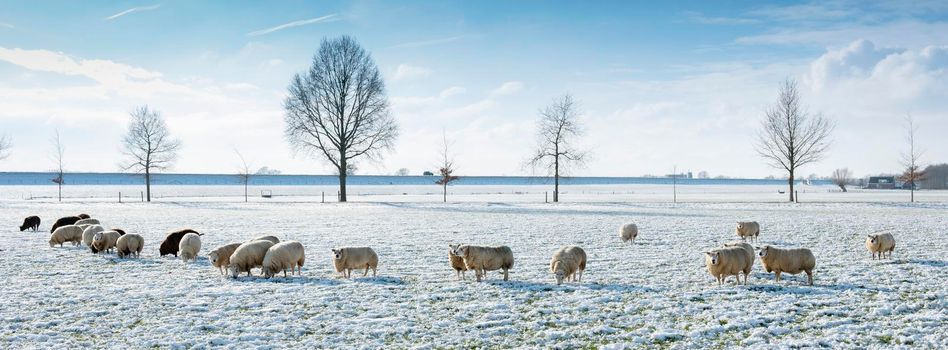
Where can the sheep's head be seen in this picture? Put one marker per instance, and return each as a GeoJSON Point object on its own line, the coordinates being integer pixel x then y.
{"type": "Point", "coordinates": [267, 272]}
{"type": "Point", "coordinates": [212, 257]}
{"type": "Point", "coordinates": [337, 254]}
{"type": "Point", "coordinates": [712, 257]}
{"type": "Point", "coordinates": [454, 249]}
{"type": "Point", "coordinates": [873, 239]}
{"type": "Point", "coordinates": [462, 251]}
{"type": "Point", "coordinates": [763, 251]}
{"type": "Point", "coordinates": [558, 272]}
{"type": "Point", "coordinates": [52, 243]}
{"type": "Point", "coordinates": [232, 270]}
{"type": "Point", "coordinates": [740, 225]}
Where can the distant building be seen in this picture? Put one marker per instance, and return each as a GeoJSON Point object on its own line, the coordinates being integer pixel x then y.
{"type": "Point", "coordinates": [427, 173]}
{"type": "Point", "coordinates": [881, 183]}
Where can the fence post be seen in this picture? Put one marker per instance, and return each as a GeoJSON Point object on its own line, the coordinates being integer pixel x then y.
{"type": "Point", "coordinates": [120, 197]}
{"type": "Point", "coordinates": [143, 196]}
{"type": "Point", "coordinates": [796, 196]}
{"type": "Point", "coordinates": [324, 197]}
{"type": "Point", "coordinates": [546, 197]}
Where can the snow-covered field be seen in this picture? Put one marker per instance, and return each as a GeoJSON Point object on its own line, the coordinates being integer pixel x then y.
{"type": "Point", "coordinates": [654, 294]}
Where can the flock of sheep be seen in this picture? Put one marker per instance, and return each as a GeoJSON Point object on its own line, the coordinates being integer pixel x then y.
{"type": "Point", "coordinates": [568, 263]}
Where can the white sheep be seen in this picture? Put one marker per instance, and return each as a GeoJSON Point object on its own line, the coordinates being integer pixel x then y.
{"type": "Point", "coordinates": [456, 262]}
{"type": "Point", "coordinates": [748, 229]}
{"type": "Point", "coordinates": [568, 263]}
{"type": "Point", "coordinates": [129, 244]}
{"type": "Point", "coordinates": [792, 261]}
{"type": "Point", "coordinates": [346, 259]}
{"type": "Point", "coordinates": [104, 241]}
{"type": "Point", "coordinates": [628, 232]}
{"type": "Point", "coordinates": [483, 259]}
{"type": "Point", "coordinates": [247, 256]}
{"type": "Point", "coordinates": [189, 247]}
{"type": "Point", "coordinates": [68, 233]}
{"type": "Point", "coordinates": [879, 244]}
{"type": "Point", "coordinates": [748, 250]}
{"type": "Point", "coordinates": [90, 232]}
{"type": "Point", "coordinates": [220, 256]}
{"type": "Point", "coordinates": [282, 256]}
{"type": "Point", "coordinates": [272, 239]}
{"type": "Point", "coordinates": [87, 222]}
{"type": "Point", "coordinates": [728, 261]}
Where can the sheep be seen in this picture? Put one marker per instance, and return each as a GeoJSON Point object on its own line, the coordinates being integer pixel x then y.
{"type": "Point", "coordinates": [728, 261]}
{"type": "Point", "coordinates": [748, 251]}
{"type": "Point", "coordinates": [220, 256]}
{"type": "Point", "coordinates": [483, 259]}
{"type": "Point", "coordinates": [247, 256]}
{"type": "Point", "coordinates": [568, 263]}
{"type": "Point", "coordinates": [628, 232]}
{"type": "Point", "coordinates": [189, 247]}
{"type": "Point", "coordinates": [283, 255]}
{"type": "Point", "coordinates": [63, 221]}
{"type": "Point", "coordinates": [121, 232]}
{"type": "Point", "coordinates": [83, 216]}
{"type": "Point", "coordinates": [88, 222]}
{"type": "Point", "coordinates": [68, 233]}
{"type": "Point", "coordinates": [879, 244]}
{"type": "Point", "coordinates": [346, 259]}
{"type": "Point", "coordinates": [172, 240]}
{"type": "Point", "coordinates": [89, 233]}
{"type": "Point", "coordinates": [272, 239]}
{"type": "Point", "coordinates": [31, 222]}
{"type": "Point", "coordinates": [748, 229]}
{"type": "Point", "coordinates": [104, 241]}
{"type": "Point", "coordinates": [129, 245]}
{"type": "Point", "coordinates": [457, 262]}
{"type": "Point", "coordinates": [792, 261]}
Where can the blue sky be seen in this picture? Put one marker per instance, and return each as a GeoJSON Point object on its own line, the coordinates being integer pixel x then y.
{"type": "Point", "coordinates": [660, 84]}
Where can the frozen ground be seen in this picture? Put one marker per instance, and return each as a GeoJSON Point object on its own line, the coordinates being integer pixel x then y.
{"type": "Point", "coordinates": [654, 294]}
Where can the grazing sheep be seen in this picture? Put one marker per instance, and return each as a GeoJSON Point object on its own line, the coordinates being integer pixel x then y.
{"type": "Point", "coordinates": [68, 233]}
{"type": "Point", "coordinates": [568, 263]}
{"type": "Point", "coordinates": [272, 239]}
{"type": "Point", "coordinates": [121, 232]}
{"type": "Point", "coordinates": [172, 240]}
{"type": "Point", "coordinates": [748, 250]}
{"type": "Point", "coordinates": [879, 244]}
{"type": "Point", "coordinates": [792, 261]}
{"type": "Point", "coordinates": [247, 256]}
{"type": "Point", "coordinates": [104, 241]}
{"type": "Point", "coordinates": [88, 233]}
{"type": "Point", "coordinates": [189, 247]}
{"type": "Point", "coordinates": [128, 245]}
{"type": "Point", "coordinates": [31, 222]}
{"type": "Point", "coordinates": [348, 258]}
{"type": "Point", "coordinates": [628, 232]}
{"type": "Point", "coordinates": [88, 222]}
{"type": "Point", "coordinates": [220, 256]}
{"type": "Point", "coordinates": [282, 256]}
{"type": "Point", "coordinates": [748, 229]}
{"type": "Point", "coordinates": [457, 262]}
{"type": "Point", "coordinates": [63, 221]}
{"type": "Point", "coordinates": [728, 261]}
{"type": "Point", "coordinates": [483, 259]}
{"type": "Point", "coordinates": [83, 216]}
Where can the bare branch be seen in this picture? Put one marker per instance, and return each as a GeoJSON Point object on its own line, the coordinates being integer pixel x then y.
{"type": "Point", "coordinates": [148, 146]}
{"type": "Point", "coordinates": [556, 129]}
{"type": "Point", "coordinates": [841, 178]}
{"type": "Point", "coordinates": [5, 145]}
{"type": "Point", "coordinates": [911, 157]}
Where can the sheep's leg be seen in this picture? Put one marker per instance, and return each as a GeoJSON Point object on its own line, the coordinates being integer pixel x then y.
{"type": "Point", "coordinates": [284, 273]}
{"type": "Point", "coordinates": [366, 273]}
{"type": "Point", "coordinates": [581, 276]}
{"type": "Point", "coordinates": [505, 274]}
{"type": "Point", "coordinates": [778, 276]}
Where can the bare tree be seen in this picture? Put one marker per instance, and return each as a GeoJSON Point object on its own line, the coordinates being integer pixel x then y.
{"type": "Point", "coordinates": [842, 177]}
{"type": "Point", "coordinates": [244, 173]}
{"type": "Point", "coordinates": [5, 145]}
{"type": "Point", "coordinates": [556, 129]}
{"type": "Point", "coordinates": [791, 136]}
{"type": "Point", "coordinates": [446, 168]}
{"type": "Point", "coordinates": [402, 172]}
{"type": "Point", "coordinates": [338, 110]}
{"type": "Point", "coordinates": [58, 159]}
{"type": "Point", "coordinates": [911, 157]}
{"type": "Point", "coordinates": [148, 146]}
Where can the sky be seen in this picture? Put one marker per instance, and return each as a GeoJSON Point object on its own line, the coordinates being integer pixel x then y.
{"type": "Point", "coordinates": [661, 85]}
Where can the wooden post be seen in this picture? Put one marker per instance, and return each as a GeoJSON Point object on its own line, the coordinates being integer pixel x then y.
{"type": "Point", "coordinates": [324, 197]}
{"type": "Point", "coordinates": [120, 196]}
{"type": "Point", "coordinates": [143, 196]}
{"type": "Point", "coordinates": [796, 196]}
{"type": "Point", "coordinates": [546, 197]}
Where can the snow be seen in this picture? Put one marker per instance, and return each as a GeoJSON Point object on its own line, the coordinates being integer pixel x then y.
{"type": "Point", "coordinates": [655, 293]}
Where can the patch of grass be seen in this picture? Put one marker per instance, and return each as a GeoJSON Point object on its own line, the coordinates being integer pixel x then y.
{"type": "Point", "coordinates": [885, 339]}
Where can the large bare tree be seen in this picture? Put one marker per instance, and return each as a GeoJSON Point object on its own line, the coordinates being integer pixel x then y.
{"type": "Point", "coordinates": [5, 145]}
{"type": "Point", "coordinates": [556, 130]}
{"type": "Point", "coordinates": [148, 146]}
{"type": "Point", "coordinates": [913, 172]}
{"type": "Point", "coordinates": [842, 177]}
{"type": "Point", "coordinates": [338, 110]}
{"type": "Point", "coordinates": [58, 155]}
{"type": "Point", "coordinates": [791, 136]}
{"type": "Point", "coordinates": [446, 168]}
{"type": "Point", "coordinates": [244, 173]}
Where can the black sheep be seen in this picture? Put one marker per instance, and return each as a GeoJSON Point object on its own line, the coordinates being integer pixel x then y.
{"type": "Point", "coordinates": [63, 221]}
{"type": "Point", "coordinates": [120, 231]}
{"type": "Point", "coordinates": [84, 216]}
{"type": "Point", "coordinates": [32, 222]}
{"type": "Point", "coordinates": [170, 244]}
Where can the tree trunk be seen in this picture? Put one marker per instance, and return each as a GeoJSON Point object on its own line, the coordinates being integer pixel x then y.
{"type": "Point", "coordinates": [556, 182]}
{"type": "Point", "coordinates": [246, 182]}
{"type": "Point", "coordinates": [60, 187]}
{"type": "Point", "coordinates": [445, 188]}
{"type": "Point", "coordinates": [912, 183]}
{"type": "Point", "coordinates": [790, 181]}
{"type": "Point", "coordinates": [147, 184]}
{"type": "Point", "coordinates": [342, 185]}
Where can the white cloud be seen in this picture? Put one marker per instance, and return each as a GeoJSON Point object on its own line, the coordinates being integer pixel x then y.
{"type": "Point", "coordinates": [6, 25]}
{"type": "Point", "coordinates": [408, 72]}
{"type": "Point", "coordinates": [430, 42]}
{"type": "Point", "coordinates": [326, 18]}
{"type": "Point", "coordinates": [508, 88]}
{"type": "Point", "coordinates": [700, 18]}
{"type": "Point", "coordinates": [131, 10]}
